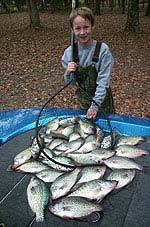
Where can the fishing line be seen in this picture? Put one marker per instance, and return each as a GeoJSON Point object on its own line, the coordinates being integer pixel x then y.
{"type": "Point", "coordinates": [37, 128]}
{"type": "Point", "coordinates": [31, 222]}
{"type": "Point", "coordinates": [2, 200]}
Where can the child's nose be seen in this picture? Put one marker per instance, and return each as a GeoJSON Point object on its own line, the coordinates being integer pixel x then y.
{"type": "Point", "coordinates": [82, 30]}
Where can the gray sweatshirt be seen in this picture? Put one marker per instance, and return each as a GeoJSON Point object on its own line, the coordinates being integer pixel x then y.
{"type": "Point", "coordinates": [103, 67]}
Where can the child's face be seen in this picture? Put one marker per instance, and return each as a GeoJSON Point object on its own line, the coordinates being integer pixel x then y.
{"type": "Point", "coordinates": [83, 30]}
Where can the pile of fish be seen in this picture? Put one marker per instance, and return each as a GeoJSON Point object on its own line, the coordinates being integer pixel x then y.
{"type": "Point", "coordinates": [75, 167]}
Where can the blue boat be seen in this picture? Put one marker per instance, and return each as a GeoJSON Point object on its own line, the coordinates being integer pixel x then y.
{"type": "Point", "coordinates": [126, 208]}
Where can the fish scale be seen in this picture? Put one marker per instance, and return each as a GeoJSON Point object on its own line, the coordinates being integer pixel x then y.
{"type": "Point", "coordinates": [95, 189]}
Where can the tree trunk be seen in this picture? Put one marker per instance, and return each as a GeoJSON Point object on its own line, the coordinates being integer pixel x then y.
{"type": "Point", "coordinates": [97, 7]}
{"type": "Point", "coordinates": [4, 5]}
{"type": "Point", "coordinates": [33, 13]}
{"type": "Point", "coordinates": [148, 9]}
{"type": "Point", "coordinates": [123, 6]}
{"type": "Point", "coordinates": [132, 23]}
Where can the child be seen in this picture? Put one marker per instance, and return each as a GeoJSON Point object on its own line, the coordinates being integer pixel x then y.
{"type": "Point", "coordinates": [91, 65]}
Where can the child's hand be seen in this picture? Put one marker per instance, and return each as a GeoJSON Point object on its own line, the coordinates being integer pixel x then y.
{"type": "Point", "coordinates": [91, 113]}
{"type": "Point", "coordinates": [71, 67]}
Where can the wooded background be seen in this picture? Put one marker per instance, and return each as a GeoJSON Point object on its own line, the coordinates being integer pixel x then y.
{"type": "Point", "coordinates": [34, 34]}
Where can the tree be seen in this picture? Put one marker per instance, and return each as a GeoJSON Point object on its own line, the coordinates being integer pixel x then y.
{"type": "Point", "coordinates": [97, 7]}
{"type": "Point", "coordinates": [4, 5]}
{"type": "Point", "coordinates": [148, 9]}
{"type": "Point", "coordinates": [33, 13]}
{"type": "Point", "coordinates": [123, 6]}
{"type": "Point", "coordinates": [132, 23]}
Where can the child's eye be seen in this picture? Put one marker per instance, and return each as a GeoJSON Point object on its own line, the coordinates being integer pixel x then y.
{"type": "Point", "coordinates": [85, 27]}
{"type": "Point", "coordinates": [77, 29]}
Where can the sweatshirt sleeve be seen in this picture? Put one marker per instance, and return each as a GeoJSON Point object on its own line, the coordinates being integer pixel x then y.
{"type": "Point", "coordinates": [104, 68]}
{"type": "Point", "coordinates": [66, 58]}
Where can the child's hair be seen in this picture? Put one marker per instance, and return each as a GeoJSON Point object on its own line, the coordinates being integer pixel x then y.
{"type": "Point", "coordinates": [84, 12]}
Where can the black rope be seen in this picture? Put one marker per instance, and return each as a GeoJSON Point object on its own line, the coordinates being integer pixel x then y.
{"type": "Point", "coordinates": [37, 128]}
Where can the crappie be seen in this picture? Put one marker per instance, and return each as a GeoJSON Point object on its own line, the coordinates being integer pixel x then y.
{"type": "Point", "coordinates": [22, 157]}
{"type": "Point", "coordinates": [131, 140]}
{"type": "Point", "coordinates": [46, 152]}
{"type": "Point", "coordinates": [35, 149]}
{"type": "Point", "coordinates": [68, 121]}
{"type": "Point", "coordinates": [95, 189]}
{"type": "Point", "coordinates": [31, 166]}
{"type": "Point", "coordinates": [70, 146]}
{"type": "Point", "coordinates": [74, 136]}
{"type": "Point", "coordinates": [106, 142]}
{"type": "Point", "coordinates": [99, 135]}
{"type": "Point", "coordinates": [82, 159]}
{"type": "Point", "coordinates": [103, 153]}
{"type": "Point", "coordinates": [38, 196]}
{"type": "Point", "coordinates": [52, 125]}
{"type": "Point", "coordinates": [49, 175]}
{"type": "Point", "coordinates": [87, 126]}
{"type": "Point", "coordinates": [122, 176]}
{"type": "Point", "coordinates": [62, 185]}
{"type": "Point", "coordinates": [74, 207]}
{"type": "Point", "coordinates": [68, 130]}
{"type": "Point", "coordinates": [91, 173]}
{"type": "Point", "coordinates": [130, 151]}
{"type": "Point", "coordinates": [63, 163]}
{"type": "Point", "coordinates": [86, 147]}
{"type": "Point", "coordinates": [54, 143]}
{"type": "Point", "coordinates": [118, 162]}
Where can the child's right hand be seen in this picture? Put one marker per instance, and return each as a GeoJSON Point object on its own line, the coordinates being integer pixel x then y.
{"type": "Point", "coordinates": [72, 66]}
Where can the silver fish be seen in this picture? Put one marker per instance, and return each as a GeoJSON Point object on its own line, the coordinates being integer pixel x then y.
{"type": "Point", "coordinates": [131, 140]}
{"type": "Point", "coordinates": [68, 163]}
{"type": "Point", "coordinates": [122, 176]}
{"type": "Point", "coordinates": [49, 175]}
{"type": "Point", "coordinates": [90, 138]}
{"type": "Point", "coordinates": [77, 129]}
{"type": "Point", "coordinates": [91, 173]}
{"type": "Point", "coordinates": [82, 159]}
{"type": "Point", "coordinates": [68, 121]}
{"type": "Point", "coordinates": [103, 153]}
{"type": "Point", "coordinates": [86, 147]}
{"type": "Point", "coordinates": [62, 185]}
{"type": "Point", "coordinates": [22, 157]}
{"type": "Point", "coordinates": [74, 136]}
{"type": "Point", "coordinates": [99, 135]}
{"type": "Point", "coordinates": [74, 207]}
{"type": "Point", "coordinates": [130, 151]}
{"type": "Point", "coordinates": [118, 162]}
{"type": "Point", "coordinates": [106, 142]}
{"type": "Point", "coordinates": [68, 130]}
{"type": "Point", "coordinates": [31, 166]}
{"type": "Point", "coordinates": [38, 196]}
{"type": "Point", "coordinates": [52, 125]}
{"type": "Point", "coordinates": [95, 189]}
{"type": "Point", "coordinates": [46, 152]}
{"type": "Point", "coordinates": [35, 149]}
{"type": "Point", "coordinates": [87, 126]}
{"type": "Point", "coordinates": [74, 145]}
{"type": "Point", "coordinates": [54, 143]}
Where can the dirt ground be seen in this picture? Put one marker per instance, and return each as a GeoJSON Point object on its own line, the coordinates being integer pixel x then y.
{"type": "Point", "coordinates": [30, 62]}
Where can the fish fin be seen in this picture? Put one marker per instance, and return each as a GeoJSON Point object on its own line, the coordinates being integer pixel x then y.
{"type": "Point", "coordinates": [40, 224]}
{"type": "Point", "coordinates": [10, 168]}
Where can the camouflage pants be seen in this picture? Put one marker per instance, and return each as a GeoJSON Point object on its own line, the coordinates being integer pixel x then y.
{"type": "Point", "coordinates": [84, 102]}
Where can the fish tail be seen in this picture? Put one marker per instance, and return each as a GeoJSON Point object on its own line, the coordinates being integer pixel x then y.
{"type": "Point", "coordinates": [40, 224]}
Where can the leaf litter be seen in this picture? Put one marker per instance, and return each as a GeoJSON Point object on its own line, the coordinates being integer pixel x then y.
{"type": "Point", "coordinates": [30, 62]}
